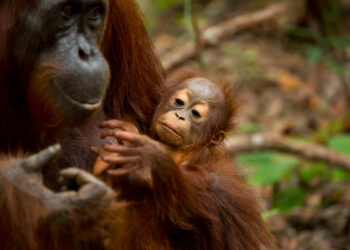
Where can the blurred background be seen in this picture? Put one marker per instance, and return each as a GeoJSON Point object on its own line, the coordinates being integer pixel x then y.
{"type": "Point", "coordinates": [290, 61]}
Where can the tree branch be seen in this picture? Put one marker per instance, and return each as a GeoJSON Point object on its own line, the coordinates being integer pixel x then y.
{"type": "Point", "coordinates": [271, 141]}
{"type": "Point", "coordinates": [215, 34]}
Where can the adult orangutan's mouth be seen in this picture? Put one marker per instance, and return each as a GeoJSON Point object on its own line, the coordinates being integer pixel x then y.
{"type": "Point", "coordinates": [81, 105]}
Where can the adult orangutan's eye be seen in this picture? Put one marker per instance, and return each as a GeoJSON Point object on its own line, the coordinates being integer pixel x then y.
{"type": "Point", "coordinates": [95, 13]}
{"type": "Point", "coordinates": [69, 10]}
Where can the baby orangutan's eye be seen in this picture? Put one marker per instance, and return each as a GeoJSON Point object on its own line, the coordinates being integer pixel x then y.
{"type": "Point", "coordinates": [179, 102]}
{"type": "Point", "coordinates": [196, 114]}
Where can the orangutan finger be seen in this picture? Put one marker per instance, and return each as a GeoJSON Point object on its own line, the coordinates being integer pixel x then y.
{"type": "Point", "coordinates": [121, 159]}
{"type": "Point", "coordinates": [123, 150]}
{"type": "Point", "coordinates": [129, 137]}
{"type": "Point", "coordinates": [100, 167]}
{"type": "Point", "coordinates": [37, 161]}
{"type": "Point", "coordinates": [122, 171]}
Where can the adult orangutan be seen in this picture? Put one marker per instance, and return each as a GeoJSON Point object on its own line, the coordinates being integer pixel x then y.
{"type": "Point", "coordinates": [65, 66]}
{"type": "Point", "coordinates": [180, 188]}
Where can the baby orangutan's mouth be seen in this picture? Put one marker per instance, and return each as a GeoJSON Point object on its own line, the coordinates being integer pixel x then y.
{"type": "Point", "coordinates": [170, 129]}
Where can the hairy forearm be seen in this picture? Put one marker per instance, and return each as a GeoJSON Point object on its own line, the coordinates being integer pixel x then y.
{"type": "Point", "coordinates": [174, 193]}
{"type": "Point", "coordinates": [34, 217]}
{"type": "Point", "coordinates": [26, 223]}
{"type": "Point", "coordinates": [65, 229]}
{"type": "Point", "coordinates": [20, 215]}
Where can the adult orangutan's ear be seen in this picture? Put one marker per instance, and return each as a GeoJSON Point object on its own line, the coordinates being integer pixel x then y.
{"type": "Point", "coordinates": [218, 138]}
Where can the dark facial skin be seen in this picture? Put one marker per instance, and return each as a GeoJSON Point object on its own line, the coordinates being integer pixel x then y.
{"type": "Point", "coordinates": [184, 119]}
{"type": "Point", "coordinates": [65, 35]}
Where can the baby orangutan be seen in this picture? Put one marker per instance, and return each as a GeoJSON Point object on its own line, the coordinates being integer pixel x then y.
{"type": "Point", "coordinates": [181, 188]}
{"type": "Point", "coordinates": [182, 122]}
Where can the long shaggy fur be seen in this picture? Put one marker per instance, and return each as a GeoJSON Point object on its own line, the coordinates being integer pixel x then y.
{"type": "Point", "coordinates": [135, 88]}
{"type": "Point", "coordinates": [191, 210]}
{"type": "Point", "coordinates": [200, 202]}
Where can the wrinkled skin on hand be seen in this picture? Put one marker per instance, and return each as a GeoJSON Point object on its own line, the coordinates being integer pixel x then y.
{"type": "Point", "coordinates": [83, 192]}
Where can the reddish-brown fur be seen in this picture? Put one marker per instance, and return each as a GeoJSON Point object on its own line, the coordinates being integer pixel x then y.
{"type": "Point", "coordinates": [21, 214]}
{"type": "Point", "coordinates": [206, 205]}
{"type": "Point", "coordinates": [135, 88]}
{"type": "Point", "coordinates": [195, 201]}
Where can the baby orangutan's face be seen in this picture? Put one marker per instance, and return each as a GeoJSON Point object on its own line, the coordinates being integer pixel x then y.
{"type": "Point", "coordinates": [185, 118]}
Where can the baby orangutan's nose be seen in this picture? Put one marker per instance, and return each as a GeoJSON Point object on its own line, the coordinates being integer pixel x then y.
{"type": "Point", "coordinates": [179, 117]}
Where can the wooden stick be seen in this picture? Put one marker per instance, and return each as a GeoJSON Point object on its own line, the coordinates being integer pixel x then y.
{"type": "Point", "coordinates": [271, 141]}
{"type": "Point", "coordinates": [215, 34]}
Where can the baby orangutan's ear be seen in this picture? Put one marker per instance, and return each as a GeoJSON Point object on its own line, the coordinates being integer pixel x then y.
{"type": "Point", "coordinates": [217, 138]}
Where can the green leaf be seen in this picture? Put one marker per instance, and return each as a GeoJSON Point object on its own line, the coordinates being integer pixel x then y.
{"type": "Point", "coordinates": [338, 174]}
{"type": "Point", "coordinates": [231, 48]}
{"type": "Point", "coordinates": [289, 198]}
{"type": "Point", "coordinates": [339, 42]}
{"type": "Point", "coordinates": [266, 168]}
{"type": "Point", "coordinates": [311, 170]}
{"type": "Point", "coordinates": [332, 128]}
{"type": "Point", "coordinates": [251, 55]}
{"type": "Point", "coordinates": [314, 55]}
{"type": "Point", "coordinates": [337, 67]}
{"type": "Point", "coordinates": [340, 143]}
{"type": "Point", "coordinates": [164, 4]}
{"type": "Point", "coordinates": [265, 215]}
{"type": "Point", "coordinates": [302, 33]}
{"type": "Point", "coordinates": [250, 128]}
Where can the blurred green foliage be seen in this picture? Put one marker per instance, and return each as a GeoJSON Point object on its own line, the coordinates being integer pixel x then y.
{"type": "Point", "coordinates": [320, 49]}
{"type": "Point", "coordinates": [153, 10]}
{"type": "Point", "coordinates": [158, 4]}
{"type": "Point", "coordinates": [165, 4]}
{"type": "Point", "coordinates": [310, 170]}
{"type": "Point", "coordinates": [267, 167]}
{"type": "Point", "coordinates": [340, 143]}
{"type": "Point", "coordinates": [332, 129]}
{"type": "Point", "coordinates": [247, 60]}
{"type": "Point", "coordinates": [288, 198]}
{"type": "Point", "coordinates": [250, 128]}
{"type": "Point", "coordinates": [270, 168]}
{"type": "Point", "coordinates": [324, 38]}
